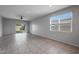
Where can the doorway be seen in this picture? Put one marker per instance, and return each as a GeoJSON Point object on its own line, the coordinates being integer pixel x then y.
{"type": "Point", "coordinates": [20, 28]}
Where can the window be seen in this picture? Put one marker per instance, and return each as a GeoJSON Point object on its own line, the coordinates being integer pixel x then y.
{"type": "Point", "coordinates": [61, 22]}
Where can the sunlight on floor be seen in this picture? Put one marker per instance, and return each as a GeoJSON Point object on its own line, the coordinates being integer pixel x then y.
{"type": "Point", "coordinates": [20, 38]}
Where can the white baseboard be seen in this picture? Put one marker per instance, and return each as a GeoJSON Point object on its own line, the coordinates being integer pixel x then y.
{"type": "Point", "coordinates": [58, 40]}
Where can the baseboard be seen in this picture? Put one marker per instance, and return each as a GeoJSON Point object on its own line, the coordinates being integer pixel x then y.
{"type": "Point", "coordinates": [55, 40]}
{"type": "Point", "coordinates": [8, 34]}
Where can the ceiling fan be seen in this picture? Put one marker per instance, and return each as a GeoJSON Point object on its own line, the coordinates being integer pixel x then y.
{"type": "Point", "coordinates": [20, 17]}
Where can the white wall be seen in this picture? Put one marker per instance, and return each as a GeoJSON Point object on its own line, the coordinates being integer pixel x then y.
{"type": "Point", "coordinates": [9, 26]}
{"type": "Point", "coordinates": [0, 27]}
{"type": "Point", "coordinates": [41, 27]}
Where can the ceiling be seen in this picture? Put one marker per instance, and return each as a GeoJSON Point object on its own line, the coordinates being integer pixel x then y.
{"type": "Point", "coordinates": [29, 12]}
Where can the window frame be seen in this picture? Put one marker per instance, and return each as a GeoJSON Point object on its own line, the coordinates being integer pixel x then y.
{"type": "Point", "coordinates": [59, 23]}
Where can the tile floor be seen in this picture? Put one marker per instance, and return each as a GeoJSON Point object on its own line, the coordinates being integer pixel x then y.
{"type": "Point", "coordinates": [22, 43]}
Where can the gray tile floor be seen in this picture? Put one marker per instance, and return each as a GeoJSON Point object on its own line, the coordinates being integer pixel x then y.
{"type": "Point", "coordinates": [22, 43]}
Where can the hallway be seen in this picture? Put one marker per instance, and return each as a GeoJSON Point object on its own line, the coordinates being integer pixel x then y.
{"type": "Point", "coordinates": [31, 44]}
